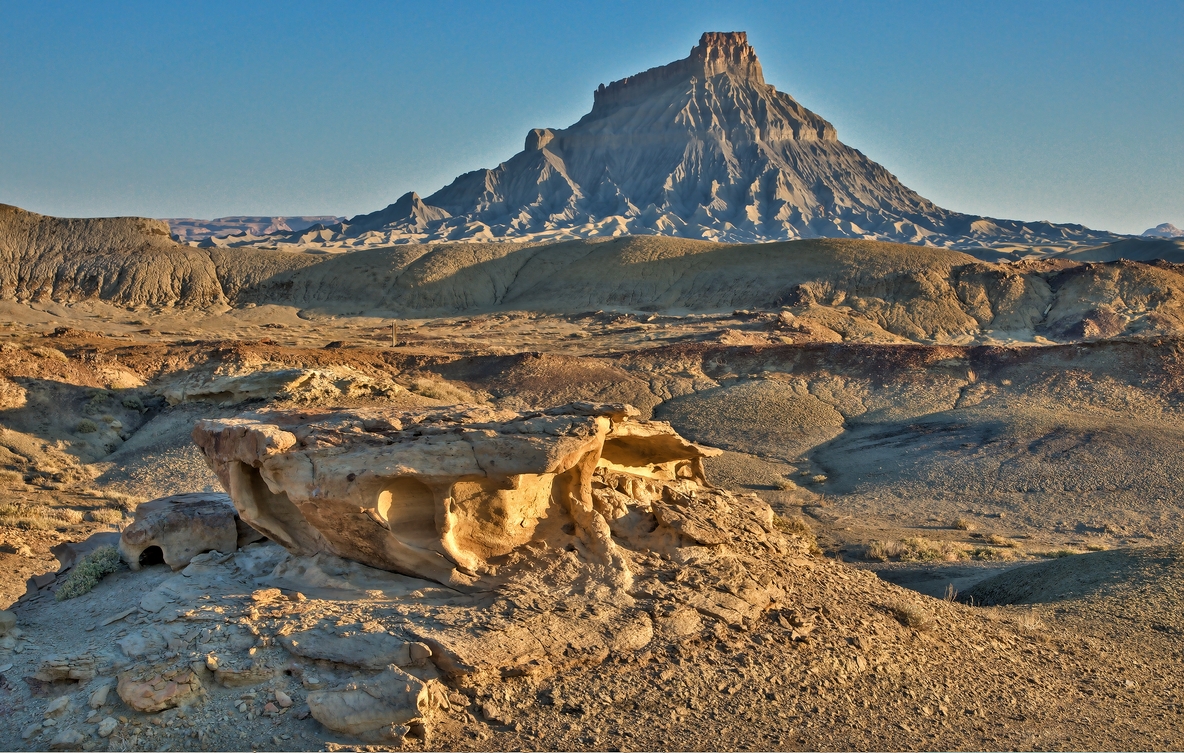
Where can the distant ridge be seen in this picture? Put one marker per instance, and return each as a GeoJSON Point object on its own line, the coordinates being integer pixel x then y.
{"type": "Point", "coordinates": [700, 148]}
{"type": "Point", "coordinates": [1166, 230]}
{"type": "Point", "coordinates": [191, 230]}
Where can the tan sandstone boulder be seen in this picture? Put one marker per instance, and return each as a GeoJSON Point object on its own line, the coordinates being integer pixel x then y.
{"type": "Point", "coordinates": [440, 492]}
{"type": "Point", "coordinates": [148, 690]}
{"type": "Point", "coordinates": [373, 709]}
{"type": "Point", "coordinates": [183, 526]}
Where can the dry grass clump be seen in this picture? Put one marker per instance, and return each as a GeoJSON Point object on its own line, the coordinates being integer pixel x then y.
{"type": "Point", "coordinates": [996, 540]}
{"type": "Point", "coordinates": [963, 524]}
{"type": "Point", "coordinates": [443, 391]}
{"type": "Point", "coordinates": [121, 501]}
{"type": "Point", "coordinates": [797, 526]}
{"type": "Point", "coordinates": [88, 572]}
{"type": "Point", "coordinates": [994, 554]}
{"type": "Point", "coordinates": [1054, 554]}
{"type": "Point", "coordinates": [68, 515]}
{"type": "Point", "coordinates": [911, 615]}
{"type": "Point", "coordinates": [107, 516]}
{"type": "Point", "coordinates": [917, 549]}
{"type": "Point", "coordinates": [37, 517]}
{"type": "Point", "coordinates": [86, 426]}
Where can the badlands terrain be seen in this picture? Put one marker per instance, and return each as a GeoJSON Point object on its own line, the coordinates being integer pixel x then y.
{"type": "Point", "coordinates": [816, 494]}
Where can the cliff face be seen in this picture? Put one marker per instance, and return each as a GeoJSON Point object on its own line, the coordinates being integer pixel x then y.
{"type": "Point", "coordinates": [700, 148]}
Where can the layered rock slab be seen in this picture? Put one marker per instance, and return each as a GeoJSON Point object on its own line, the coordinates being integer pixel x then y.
{"type": "Point", "coordinates": [444, 493]}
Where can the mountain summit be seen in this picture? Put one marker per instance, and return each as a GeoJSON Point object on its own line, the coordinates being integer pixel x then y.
{"type": "Point", "coordinates": [699, 148]}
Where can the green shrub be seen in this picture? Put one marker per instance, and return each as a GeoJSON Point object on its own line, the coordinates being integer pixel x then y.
{"type": "Point", "coordinates": [86, 426]}
{"type": "Point", "coordinates": [88, 572]}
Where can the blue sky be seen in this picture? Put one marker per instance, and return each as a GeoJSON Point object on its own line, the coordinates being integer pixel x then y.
{"type": "Point", "coordinates": [1071, 112]}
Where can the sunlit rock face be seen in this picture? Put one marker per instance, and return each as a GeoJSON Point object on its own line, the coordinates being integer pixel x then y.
{"type": "Point", "coordinates": [444, 493]}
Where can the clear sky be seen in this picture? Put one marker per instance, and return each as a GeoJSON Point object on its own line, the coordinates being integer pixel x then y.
{"type": "Point", "coordinates": [1065, 111]}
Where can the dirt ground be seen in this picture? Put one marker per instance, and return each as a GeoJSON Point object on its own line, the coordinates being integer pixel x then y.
{"type": "Point", "coordinates": [941, 468]}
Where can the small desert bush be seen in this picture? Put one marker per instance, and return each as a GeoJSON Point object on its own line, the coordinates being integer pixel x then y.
{"type": "Point", "coordinates": [785, 484]}
{"type": "Point", "coordinates": [883, 551]}
{"type": "Point", "coordinates": [108, 516]}
{"type": "Point", "coordinates": [1057, 553]}
{"type": "Point", "coordinates": [67, 515]}
{"type": "Point", "coordinates": [88, 572]}
{"type": "Point", "coordinates": [1096, 546]}
{"type": "Point", "coordinates": [996, 540]}
{"type": "Point", "coordinates": [1028, 622]}
{"type": "Point", "coordinates": [86, 426]}
{"type": "Point", "coordinates": [132, 402]}
{"type": "Point", "coordinates": [993, 554]}
{"type": "Point", "coordinates": [911, 615]}
{"type": "Point", "coordinates": [818, 478]}
{"type": "Point", "coordinates": [963, 524]}
{"type": "Point", "coordinates": [797, 526]}
{"type": "Point", "coordinates": [916, 549]}
{"type": "Point", "coordinates": [443, 391]}
{"type": "Point", "coordinates": [121, 501]}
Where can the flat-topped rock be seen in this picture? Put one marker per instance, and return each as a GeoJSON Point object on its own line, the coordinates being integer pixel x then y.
{"type": "Point", "coordinates": [439, 493]}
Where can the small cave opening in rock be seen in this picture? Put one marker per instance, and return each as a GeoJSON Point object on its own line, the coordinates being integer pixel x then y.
{"type": "Point", "coordinates": [153, 555]}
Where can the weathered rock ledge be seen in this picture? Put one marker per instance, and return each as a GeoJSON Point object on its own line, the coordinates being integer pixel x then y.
{"type": "Point", "coordinates": [446, 493]}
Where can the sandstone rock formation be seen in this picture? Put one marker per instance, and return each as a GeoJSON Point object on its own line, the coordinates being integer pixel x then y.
{"type": "Point", "coordinates": [183, 526]}
{"type": "Point", "coordinates": [444, 493]}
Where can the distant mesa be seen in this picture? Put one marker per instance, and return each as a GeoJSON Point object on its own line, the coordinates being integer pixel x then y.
{"type": "Point", "coordinates": [700, 148]}
{"type": "Point", "coordinates": [1166, 230]}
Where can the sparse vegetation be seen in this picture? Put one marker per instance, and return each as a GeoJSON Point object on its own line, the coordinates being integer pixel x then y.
{"type": "Point", "coordinates": [86, 426]}
{"type": "Point", "coordinates": [997, 540]}
{"type": "Point", "coordinates": [917, 549]}
{"type": "Point", "coordinates": [107, 516]}
{"type": "Point", "coordinates": [963, 524]}
{"type": "Point", "coordinates": [88, 571]}
{"type": "Point", "coordinates": [121, 501]}
{"type": "Point", "coordinates": [37, 517]}
{"type": "Point", "coordinates": [797, 526]}
{"type": "Point", "coordinates": [994, 554]}
{"type": "Point", "coordinates": [1056, 553]}
{"type": "Point", "coordinates": [911, 615]}
{"type": "Point", "coordinates": [441, 390]}
{"type": "Point", "coordinates": [68, 515]}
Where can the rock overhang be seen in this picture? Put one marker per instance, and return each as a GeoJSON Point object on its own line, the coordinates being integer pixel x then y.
{"type": "Point", "coordinates": [441, 493]}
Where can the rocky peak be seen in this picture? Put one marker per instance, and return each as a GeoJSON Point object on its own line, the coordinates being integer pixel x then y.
{"type": "Point", "coordinates": [727, 52]}
{"type": "Point", "coordinates": [718, 53]}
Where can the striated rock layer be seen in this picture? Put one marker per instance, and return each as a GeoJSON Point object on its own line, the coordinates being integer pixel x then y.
{"type": "Point", "coordinates": [446, 493]}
